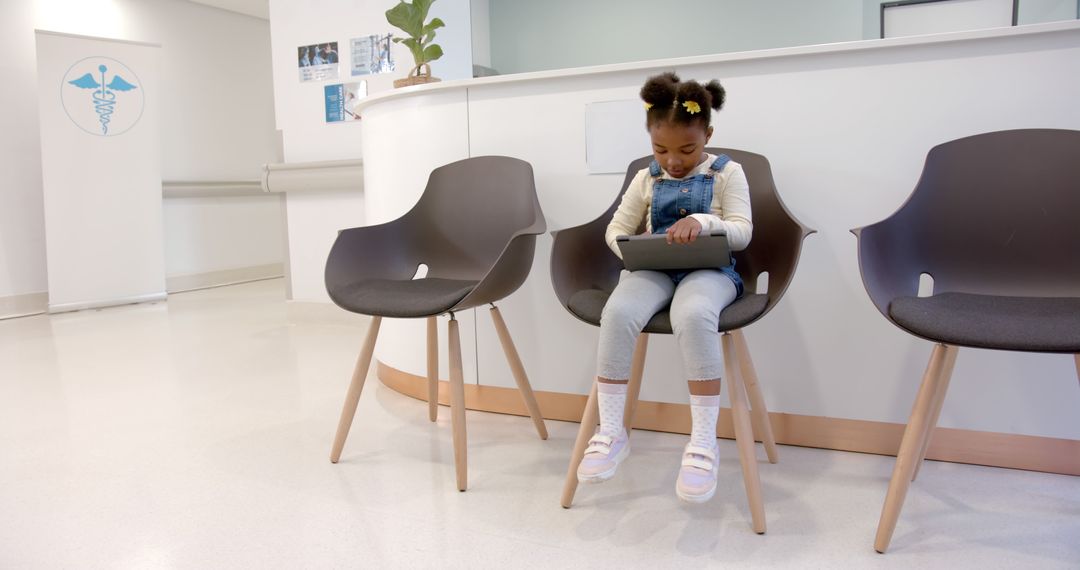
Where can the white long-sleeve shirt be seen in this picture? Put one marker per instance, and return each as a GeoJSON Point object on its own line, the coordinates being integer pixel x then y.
{"type": "Point", "coordinates": [730, 209]}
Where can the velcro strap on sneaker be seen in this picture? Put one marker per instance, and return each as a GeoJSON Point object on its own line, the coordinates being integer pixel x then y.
{"type": "Point", "coordinates": [698, 450]}
{"type": "Point", "coordinates": [600, 443]}
{"type": "Point", "coordinates": [691, 461]}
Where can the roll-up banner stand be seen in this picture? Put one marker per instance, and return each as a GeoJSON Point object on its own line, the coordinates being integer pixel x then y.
{"type": "Point", "coordinates": [101, 169]}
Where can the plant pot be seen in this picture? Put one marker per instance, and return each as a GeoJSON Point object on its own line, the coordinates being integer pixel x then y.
{"type": "Point", "coordinates": [417, 76]}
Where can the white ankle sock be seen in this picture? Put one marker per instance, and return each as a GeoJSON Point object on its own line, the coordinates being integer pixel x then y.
{"type": "Point", "coordinates": [611, 399]}
{"type": "Point", "coordinates": [704, 411]}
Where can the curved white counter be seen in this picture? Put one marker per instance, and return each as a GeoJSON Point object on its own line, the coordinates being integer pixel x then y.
{"type": "Point", "coordinates": [846, 127]}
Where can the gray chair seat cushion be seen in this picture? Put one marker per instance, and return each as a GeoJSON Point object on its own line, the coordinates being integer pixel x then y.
{"type": "Point", "coordinates": [588, 305]}
{"type": "Point", "coordinates": [402, 298]}
{"type": "Point", "coordinates": [1031, 324]}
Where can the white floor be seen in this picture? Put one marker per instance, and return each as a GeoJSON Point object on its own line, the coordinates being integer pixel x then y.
{"type": "Point", "coordinates": [195, 434]}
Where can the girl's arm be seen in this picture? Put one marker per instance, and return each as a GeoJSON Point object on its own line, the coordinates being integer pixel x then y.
{"type": "Point", "coordinates": [629, 215]}
{"type": "Point", "coordinates": [730, 208]}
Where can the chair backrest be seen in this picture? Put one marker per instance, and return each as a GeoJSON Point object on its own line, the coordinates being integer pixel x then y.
{"type": "Point", "coordinates": [468, 212]}
{"type": "Point", "coordinates": [995, 213]}
{"type": "Point", "coordinates": [584, 261]}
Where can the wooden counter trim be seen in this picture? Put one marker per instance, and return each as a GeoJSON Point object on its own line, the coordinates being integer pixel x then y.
{"type": "Point", "coordinates": [1031, 453]}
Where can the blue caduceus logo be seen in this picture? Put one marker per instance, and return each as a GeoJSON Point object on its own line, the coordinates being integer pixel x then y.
{"type": "Point", "coordinates": [115, 101]}
{"type": "Point", "coordinates": [104, 94]}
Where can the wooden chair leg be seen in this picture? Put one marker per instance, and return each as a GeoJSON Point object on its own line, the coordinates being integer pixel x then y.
{"type": "Point", "coordinates": [592, 415]}
{"type": "Point", "coordinates": [757, 401]}
{"type": "Point", "coordinates": [911, 445]}
{"type": "Point", "coordinates": [433, 368]}
{"type": "Point", "coordinates": [588, 426]}
{"type": "Point", "coordinates": [744, 435]}
{"type": "Point", "coordinates": [352, 398]}
{"type": "Point", "coordinates": [935, 411]}
{"type": "Point", "coordinates": [457, 405]}
{"type": "Point", "coordinates": [633, 389]}
{"type": "Point", "coordinates": [518, 370]}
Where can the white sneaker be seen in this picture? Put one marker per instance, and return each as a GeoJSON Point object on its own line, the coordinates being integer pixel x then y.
{"type": "Point", "coordinates": [602, 457]}
{"type": "Point", "coordinates": [697, 475]}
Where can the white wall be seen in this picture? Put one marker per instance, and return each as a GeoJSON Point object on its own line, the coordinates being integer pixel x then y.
{"type": "Point", "coordinates": [216, 122]}
{"type": "Point", "coordinates": [554, 34]}
{"type": "Point", "coordinates": [1029, 12]}
{"type": "Point", "coordinates": [315, 217]}
{"type": "Point", "coordinates": [219, 84]}
{"type": "Point", "coordinates": [211, 234]}
{"type": "Point", "coordinates": [481, 31]}
{"type": "Point", "coordinates": [1038, 11]}
{"type": "Point", "coordinates": [22, 220]}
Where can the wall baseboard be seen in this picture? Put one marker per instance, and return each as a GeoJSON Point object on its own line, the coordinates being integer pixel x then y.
{"type": "Point", "coordinates": [196, 281]}
{"type": "Point", "coordinates": [23, 305]}
{"type": "Point", "coordinates": [38, 303]}
{"type": "Point", "coordinates": [1012, 451]}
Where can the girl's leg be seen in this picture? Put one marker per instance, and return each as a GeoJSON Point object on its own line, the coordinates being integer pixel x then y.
{"type": "Point", "coordinates": [695, 313]}
{"type": "Point", "coordinates": [639, 295]}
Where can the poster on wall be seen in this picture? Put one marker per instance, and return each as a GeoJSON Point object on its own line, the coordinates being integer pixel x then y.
{"type": "Point", "coordinates": [341, 100]}
{"type": "Point", "coordinates": [371, 55]}
{"type": "Point", "coordinates": [318, 62]}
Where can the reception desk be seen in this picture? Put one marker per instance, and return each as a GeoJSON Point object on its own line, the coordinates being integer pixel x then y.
{"type": "Point", "coordinates": [846, 128]}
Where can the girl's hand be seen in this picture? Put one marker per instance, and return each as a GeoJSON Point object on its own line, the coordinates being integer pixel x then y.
{"type": "Point", "coordinates": [685, 230]}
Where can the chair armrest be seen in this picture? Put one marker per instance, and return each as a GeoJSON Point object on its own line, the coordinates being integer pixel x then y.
{"type": "Point", "coordinates": [508, 271]}
{"type": "Point", "coordinates": [888, 263]}
{"type": "Point", "coordinates": [581, 259]}
{"type": "Point", "coordinates": [384, 251]}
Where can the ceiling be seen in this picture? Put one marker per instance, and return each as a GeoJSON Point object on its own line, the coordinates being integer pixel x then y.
{"type": "Point", "coordinates": [257, 8]}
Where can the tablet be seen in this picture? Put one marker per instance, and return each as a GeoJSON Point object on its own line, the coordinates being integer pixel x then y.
{"type": "Point", "coordinates": [651, 251]}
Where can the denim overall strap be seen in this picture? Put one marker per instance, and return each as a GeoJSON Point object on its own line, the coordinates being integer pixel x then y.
{"type": "Point", "coordinates": [673, 200]}
{"type": "Point", "coordinates": [718, 164]}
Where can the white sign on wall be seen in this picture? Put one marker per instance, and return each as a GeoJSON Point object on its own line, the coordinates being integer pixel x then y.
{"type": "Point", "coordinates": [101, 171]}
{"type": "Point", "coordinates": [615, 135]}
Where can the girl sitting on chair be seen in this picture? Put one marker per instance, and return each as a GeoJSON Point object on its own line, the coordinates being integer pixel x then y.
{"type": "Point", "coordinates": [684, 192]}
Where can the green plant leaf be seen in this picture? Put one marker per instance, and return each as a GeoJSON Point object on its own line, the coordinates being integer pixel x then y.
{"type": "Point", "coordinates": [415, 48]}
{"type": "Point", "coordinates": [422, 7]}
{"type": "Point", "coordinates": [432, 52]}
{"type": "Point", "coordinates": [433, 25]}
{"type": "Point", "coordinates": [406, 17]}
{"type": "Point", "coordinates": [429, 29]}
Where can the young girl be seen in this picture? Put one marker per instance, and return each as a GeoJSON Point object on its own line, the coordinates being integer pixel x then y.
{"type": "Point", "coordinates": [684, 192]}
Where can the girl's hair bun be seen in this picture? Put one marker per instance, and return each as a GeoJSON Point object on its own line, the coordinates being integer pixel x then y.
{"type": "Point", "coordinates": [718, 94]}
{"type": "Point", "coordinates": [669, 99]}
{"type": "Point", "coordinates": [693, 91]}
{"type": "Point", "coordinates": [660, 90]}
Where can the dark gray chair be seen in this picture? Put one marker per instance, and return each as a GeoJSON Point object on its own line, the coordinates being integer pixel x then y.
{"type": "Point", "coordinates": [584, 272]}
{"type": "Point", "coordinates": [475, 229]}
{"type": "Point", "coordinates": [995, 221]}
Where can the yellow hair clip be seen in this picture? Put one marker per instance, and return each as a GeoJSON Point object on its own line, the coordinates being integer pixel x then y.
{"type": "Point", "coordinates": [692, 107]}
{"type": "Point", "coordinates": [648, 106]}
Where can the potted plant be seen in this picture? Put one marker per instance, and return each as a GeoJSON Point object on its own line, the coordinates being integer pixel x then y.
{"type": "Point", "coordinates": [409, 17]}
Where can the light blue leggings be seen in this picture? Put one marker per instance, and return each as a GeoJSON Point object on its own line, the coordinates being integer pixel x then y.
{"type": "Point", "coordinates": [695, 313]}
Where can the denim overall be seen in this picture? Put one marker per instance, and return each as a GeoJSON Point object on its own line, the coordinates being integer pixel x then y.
{"type": "Point", "coordinates": [673, 200]}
